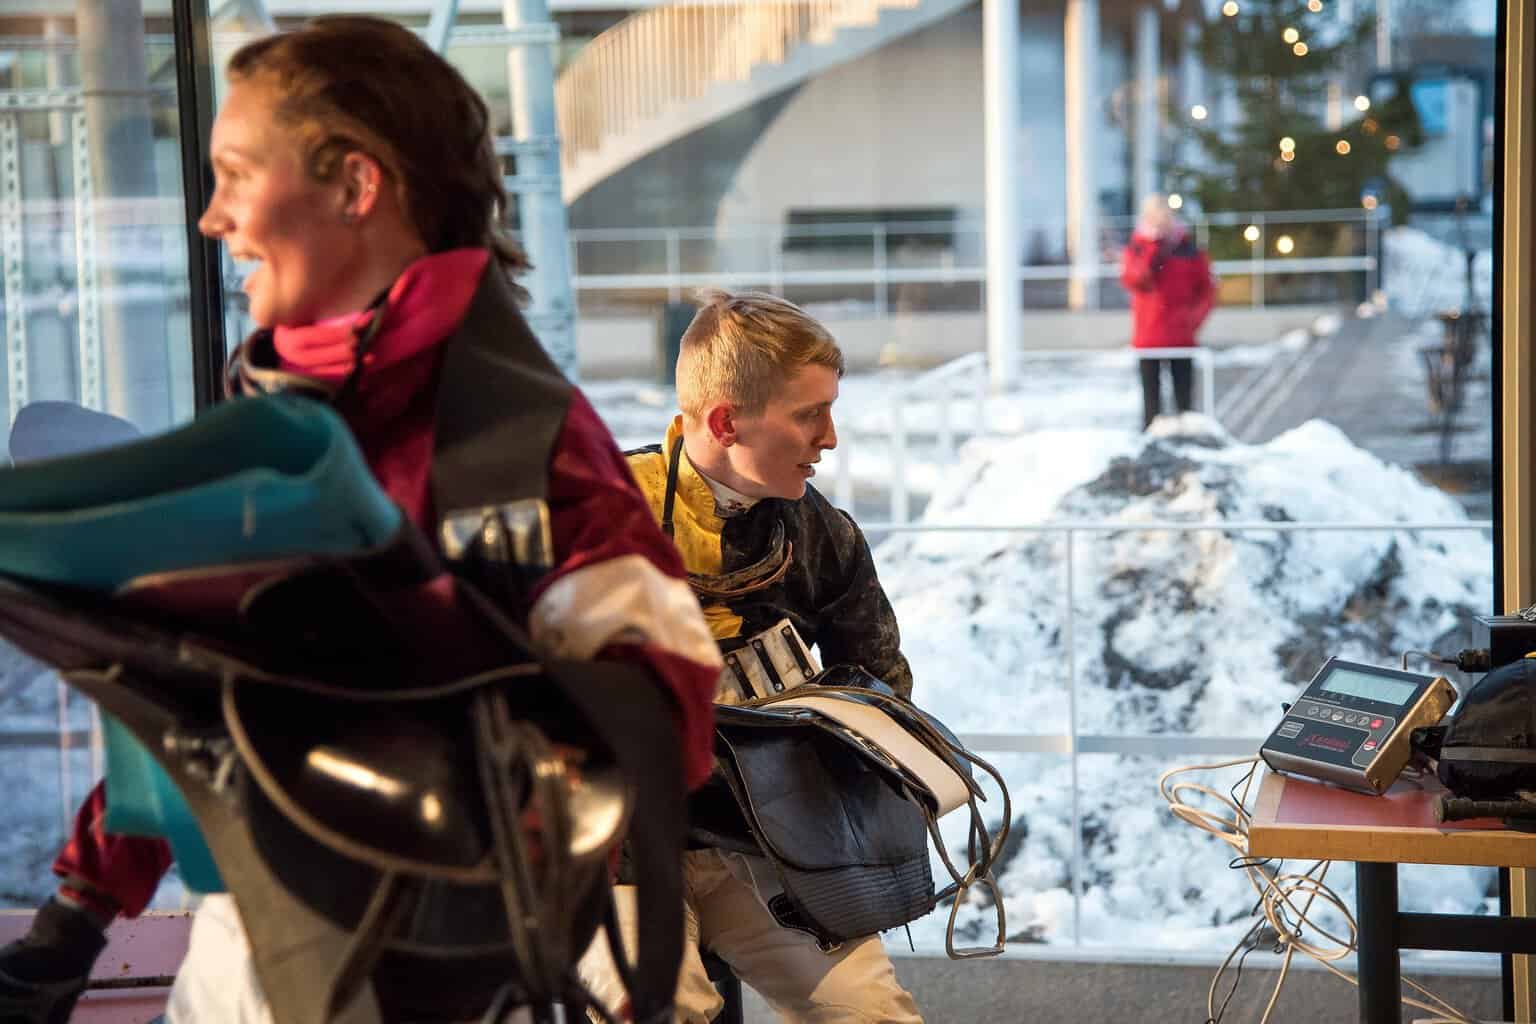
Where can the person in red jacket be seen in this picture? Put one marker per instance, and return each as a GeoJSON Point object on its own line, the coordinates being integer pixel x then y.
{"type": "Point", "coordinates": [355, 169]}
{"type": "Point", "coordinates": [1171, 288]}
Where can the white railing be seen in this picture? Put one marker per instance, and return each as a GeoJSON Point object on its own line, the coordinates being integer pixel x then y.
{"type": "Point", "coordinates": [1071, 742]}
{"type": "Point", "coordinates": [867, 259]}
{"type": "Point", "coordinates": [962, 385]}
{"type": "Point", "coordinates": [657, 58]}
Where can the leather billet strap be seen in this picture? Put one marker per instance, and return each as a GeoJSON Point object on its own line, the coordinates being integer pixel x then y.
{"type": "Point", "coordinates": [670, 498]}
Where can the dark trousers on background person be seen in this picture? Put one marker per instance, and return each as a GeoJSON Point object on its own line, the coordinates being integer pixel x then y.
{"type": "Point", "coordinates": [1183, 372]}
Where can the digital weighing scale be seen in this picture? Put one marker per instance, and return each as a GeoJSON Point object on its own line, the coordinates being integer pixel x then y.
{"type": "Point", "coordinates": [1351, 724]}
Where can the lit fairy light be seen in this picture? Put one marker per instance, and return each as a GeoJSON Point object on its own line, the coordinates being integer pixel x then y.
{"type": "Point", "coordinates": [1251, 232]}
{"type": "Point", "coordinates": [1287, 145]}
{"type": "Point", "coordinates": [1230, 8]}
{"type": "Point", "coordinates": [1285, 245]}
{"type": "Point", "coordinates": [1198, 112]}
{"type": "Point", "coordinates": [1291, 35]}
{"type": "Point", "coordinates": [1300, 49]}
{"type": "Point", "coordinates": [1175, 201]}
{"type": "Point", "coordinates": [1368, 201]}
{"type": "Point", "coordinates": [1315, 6]}
{"type": "Point", "coordinates": [1362, 103]}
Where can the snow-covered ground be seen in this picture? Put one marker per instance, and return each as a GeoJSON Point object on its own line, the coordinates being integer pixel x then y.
{"type": "Point", "coordinates": [1172, 633]}
{"type": "Point", "coordinates": [1422, 276]}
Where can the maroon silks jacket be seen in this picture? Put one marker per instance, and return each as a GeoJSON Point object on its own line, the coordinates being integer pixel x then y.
{"type": "Point", "coordinates": [1171, 290]}
{"type": "Point", "coordinates": [617, 588]}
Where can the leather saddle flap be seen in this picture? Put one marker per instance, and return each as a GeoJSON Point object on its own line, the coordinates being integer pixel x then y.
{"type": "Point", "coordinates": [814, 800]}
{"type": "Point", "coordinates": [890, 741]}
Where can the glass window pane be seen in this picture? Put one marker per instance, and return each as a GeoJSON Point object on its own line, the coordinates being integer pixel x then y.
{"type": "Point", "coordinates": [1338, 185]}
{"type": "Point", "coordinates": [93, 262]}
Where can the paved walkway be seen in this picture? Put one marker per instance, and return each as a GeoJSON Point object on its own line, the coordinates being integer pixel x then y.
{"type": "Point", "coordinates": [1368, 379]}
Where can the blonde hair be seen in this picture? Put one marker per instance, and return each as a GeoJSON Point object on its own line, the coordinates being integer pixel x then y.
{"type": "Point", "coordinates": [742, 347]}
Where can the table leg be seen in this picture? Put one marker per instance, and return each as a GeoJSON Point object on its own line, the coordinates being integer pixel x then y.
{"type": "Point", "coordinates": [1376, 915]}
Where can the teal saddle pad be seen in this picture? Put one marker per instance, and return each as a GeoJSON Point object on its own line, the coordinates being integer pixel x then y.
{"type": "Point", "coordinates": [252, 480]}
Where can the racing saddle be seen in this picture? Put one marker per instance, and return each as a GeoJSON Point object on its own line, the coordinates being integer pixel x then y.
{"type": "Point", "coordinates": [414, 814]}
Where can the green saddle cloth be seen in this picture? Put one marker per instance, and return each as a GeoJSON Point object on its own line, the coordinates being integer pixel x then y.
{"type": "Point", "coordinates": [251, 480]}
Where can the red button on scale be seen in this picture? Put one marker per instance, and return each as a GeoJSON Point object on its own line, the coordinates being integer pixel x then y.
{"type": "Point", "coordinates": [1375, 723]}
{"type": "Point", "coordinates": [1368, 745]}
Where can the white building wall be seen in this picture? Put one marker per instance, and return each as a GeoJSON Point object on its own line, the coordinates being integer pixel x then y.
{"type": "Point", "coordinates": [902, 127]}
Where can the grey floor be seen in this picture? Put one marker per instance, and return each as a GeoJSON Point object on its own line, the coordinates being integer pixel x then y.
{"type": "Point", "coordinates": [1024, 991]}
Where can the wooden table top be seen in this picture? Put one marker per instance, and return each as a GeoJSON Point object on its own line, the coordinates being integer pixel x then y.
{"type": "Point", "coordinates": [1303, 819]}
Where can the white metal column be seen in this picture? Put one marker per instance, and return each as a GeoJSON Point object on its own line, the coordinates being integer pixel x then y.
{"type": "Point", "coordinates": [11, 254]}
{"type": "Point", "coordinates": [1004, 233]}
{"type": "Point", "coordinates": [1383, 35]}
{"type": "Point", "coordinates": [114, 77]}
{"type": "Point", "coordinates": [1144, 135]}
{"type": "Point", "coordinates": [440, 24]}
{"type": "Point", "coordinates": [531, 77]}
{"type": "Point", "coordinates": [1191, 88]}
{"type": "Point", "coordinates": [1082, 111]}
{"type": "Point", "coordinates": [88, 370]}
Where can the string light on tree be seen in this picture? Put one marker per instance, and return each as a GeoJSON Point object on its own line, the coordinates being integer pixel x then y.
{"type": "Point", "coordinates": [1198, 112]}
{"type": "Point", "coordinates": [1275, 112]}
{"type": "Point", "coordinates": [1175, 201]}
{"type": "Point", "coordinates": [1230, 8]}
{"type": "Point", "coordinates": [1285, 245]}
{"type": "Point", "coordinates": [1369, 201]}
{"type": "Point", "coordinates": [1393, 142]}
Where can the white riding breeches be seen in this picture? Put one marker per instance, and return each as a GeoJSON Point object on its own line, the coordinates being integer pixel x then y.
{"type": "Point", "coordinates": [727, 915]}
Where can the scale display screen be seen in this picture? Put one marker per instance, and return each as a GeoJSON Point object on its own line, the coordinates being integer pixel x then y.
{"type": "Point", "coordinates": [1351, 725]}
{"type": "Point", "coordinates": [1369, 686]}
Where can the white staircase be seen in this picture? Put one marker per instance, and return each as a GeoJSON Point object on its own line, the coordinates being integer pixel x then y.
{"type": "Point", "coordinates": [668, 71]}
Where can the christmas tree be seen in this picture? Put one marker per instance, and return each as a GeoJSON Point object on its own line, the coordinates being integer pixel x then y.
{"type": "Point", "coordinates": [1279, 60]}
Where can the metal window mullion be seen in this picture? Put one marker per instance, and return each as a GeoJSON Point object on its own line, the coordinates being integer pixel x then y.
{"type": "Point", "coordinates": [13, 266]}
{"type": "Point", "coordinates": [205, 278]}
{"type": "Point", "coordinates": [88, 291]}
{"type": "Point", "coordinates": [1079, 881]}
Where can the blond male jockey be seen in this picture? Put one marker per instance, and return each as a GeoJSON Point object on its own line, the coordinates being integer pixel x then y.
{"type": "Point", "coordinates": [756, 381]}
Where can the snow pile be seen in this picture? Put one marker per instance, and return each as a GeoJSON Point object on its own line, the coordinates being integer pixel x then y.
{"type": "Point", "coordinates": [1422, 276]}
{"type": "Point", "coordinates": [1173, 633]}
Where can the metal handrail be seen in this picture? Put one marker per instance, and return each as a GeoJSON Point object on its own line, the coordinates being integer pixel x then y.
{"type": "Point", "coordinates": [866, 259]}
{"type": "Point", "coordinates": [1070, 743]}
{"type": "Point", "coordinates": [667, 55]}
{"type": "Point", "coordinates": [1073, 743]}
